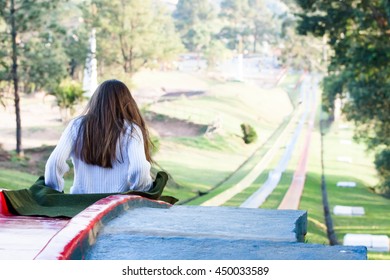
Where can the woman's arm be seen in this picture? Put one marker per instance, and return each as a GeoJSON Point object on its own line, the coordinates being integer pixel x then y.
{"type": "Point", "coordinates": [56, 165]}
{"type": "Point", "coordinates": [139, 177]}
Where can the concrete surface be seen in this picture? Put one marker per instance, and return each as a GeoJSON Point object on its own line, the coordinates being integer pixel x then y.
{"type": "Point", "coordinates": [345, 184]}
{"type": "Point", "coordinates": [344, 159]}
{"type": "Point", "coordinates": [212, 233]}
{"type": "Point", "coordinates": [341, 210]}
{"type": "Point", "coordinates": [375, 243]}
{"type": "Point", "coordinates": [219, 222]}
{"type": "Point", "coordinates": [141, 247]}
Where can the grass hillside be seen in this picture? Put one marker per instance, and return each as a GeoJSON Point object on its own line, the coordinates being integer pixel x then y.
{"type": "Point", "coordinates": [200, 162]}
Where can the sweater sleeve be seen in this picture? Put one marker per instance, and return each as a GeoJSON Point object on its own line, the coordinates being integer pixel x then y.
{"type": "Point", "coordinates": [139, 177]}
{"type": "Point", "coordinates": [56, 165]}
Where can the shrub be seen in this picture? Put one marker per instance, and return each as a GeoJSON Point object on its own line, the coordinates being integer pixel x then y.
{"type": "Point", "coordinates": [249, 134]}
{"type": "Point", "coordinates": [382, 164]}
{"type": "Point", "coordinates": [68, 94]}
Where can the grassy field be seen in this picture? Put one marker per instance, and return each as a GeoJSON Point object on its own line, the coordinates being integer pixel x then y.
{"type": "Point", "coordinates": [200, 163]}
{"type": "Point", "coordinates": [277, 195]}
{"type": "Point", "coordinates": [360, 170]}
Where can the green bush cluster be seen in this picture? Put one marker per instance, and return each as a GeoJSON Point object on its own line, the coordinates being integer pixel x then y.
{"type": "Point", "coordinates": [68, 95]}
{"type": "Point", "coordinates": [382, 164]}
{"type": "Point", "coordinates": [249, 133]}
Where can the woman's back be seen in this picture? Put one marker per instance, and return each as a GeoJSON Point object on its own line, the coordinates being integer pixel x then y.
{"type": "Point", "coordinates": [108, 146]}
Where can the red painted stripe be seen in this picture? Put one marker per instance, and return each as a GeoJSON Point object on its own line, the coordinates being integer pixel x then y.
{"type": "Point", "coordinates": [80, 233]}
{"type": "Point", "coordinates": [293, 195]}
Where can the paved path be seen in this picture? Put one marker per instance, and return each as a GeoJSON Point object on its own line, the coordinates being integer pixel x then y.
{"type": "Point", "coordinates": [259, 197]}
{"type": "Point", "coordinates": [255, 172]}
{"type": "Point", "coordinates": [292, 198]}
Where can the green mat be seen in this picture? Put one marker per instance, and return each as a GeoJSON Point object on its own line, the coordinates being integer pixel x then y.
{"type": "Point", "coordinates": [40, 200]}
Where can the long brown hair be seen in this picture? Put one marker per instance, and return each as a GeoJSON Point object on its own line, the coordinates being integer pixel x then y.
{"type": "Point", "coordinates": [103, 124]}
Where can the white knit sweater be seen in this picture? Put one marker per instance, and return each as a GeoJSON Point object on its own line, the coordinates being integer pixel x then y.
{"type": "Point", "coordinates": [131, 173]}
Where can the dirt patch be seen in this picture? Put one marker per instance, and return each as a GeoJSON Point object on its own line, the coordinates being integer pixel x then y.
{"type": "Point", "coordinates": [4, 155]}
{"type": "Point", "coordinates": [171, 127]}
{"type": "Point", "coordinates": [33, 161]}
{"type": "Point", "coordinates": [178, 94]}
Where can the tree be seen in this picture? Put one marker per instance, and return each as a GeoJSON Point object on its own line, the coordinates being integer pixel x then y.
{"type": "Point", "coordinates": [21, 17]}
{"type": "Point", "coordinates": [215, 52]}
{"type": "Point", "coordinates": [234, 13]}
{"type": "Point", "coordinates": [74, 36]}
{"type": "Point", "coordinates": [358, 32]}
{"type": "Point", "coordinates": [43, 62]}
{"type": "Point", "coordinates": [195, 22]}
{"type": "Point", "coordinates": [248, 22]}
{"type": "Point", "coordinates": [262, 24]}
{"type": "Point", "coordinates": [134, 33]}
{"type": "Point", "coordinates": [300, 52]}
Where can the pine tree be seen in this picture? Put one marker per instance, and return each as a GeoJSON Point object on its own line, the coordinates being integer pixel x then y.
{"type": "Point", "coordinates": [21, 17]}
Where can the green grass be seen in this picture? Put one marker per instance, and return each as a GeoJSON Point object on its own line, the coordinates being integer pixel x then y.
{"type": "Point", "coordinates": [288, 84]}
{"type": "Point", "coordinates": [170, 80]}
{"type": "Point", "coordinates": [240, 172]}
{"type": "Point", "coordinates": [15, 180]}
{"type": "Point", "coordinates": [213, 143]}
{"type": "Point", "coordinates": [238, 199]}
{"type": "Point", "coordinates": [362, 171]}
{"type": "Point", "coordinates": [197, 169]}
{"type": "Point", "coordinates": [229, 103]}
{"type": "Point", "coordinates": [199, 164]}
{"type": "Point", "coordinates": [277, 195]}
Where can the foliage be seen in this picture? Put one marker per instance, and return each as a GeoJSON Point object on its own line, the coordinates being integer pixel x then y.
{"type": "Point", "coordinates": [249, 133]}
{"type": "Point", "coordinates": [263, 26]}
{"type": "Point", "coordinates": [301, 52]}
{"type": "Point", "coordinates": [247, 23]}
{"type": "Point", "coordinates": [234, 13]}
{"type": "Point", "coordinates": [4, 52]}
{"type": "Point", "coordinates": [216, 52]}
{"type": "Point", "coordinates": [75, 44]}
{"type": "Point", "coordinates": [22, 19]}
{"type": "Point", "coordinates": [358, 33]}
{"type": "Point", "coordinates": [382, 164]}
{"type": "Point", "coordinates": [195, 21]}
{"type": "Point", "coordinates": [49, 46]}
{"type": "Point", "coordinates": [43, 64]}
{"type": "Point", "coordinates": [133, 34]}
{"type": "Point", "coordinates": [68, 94]}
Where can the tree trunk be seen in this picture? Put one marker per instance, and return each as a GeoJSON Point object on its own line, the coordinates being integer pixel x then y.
{"type": "Point", "coordinates": [130, 61]}
{"type": "Point", "coordinates": [255, 39]}
{"type": "Point", "coordinates": [14, 73]}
